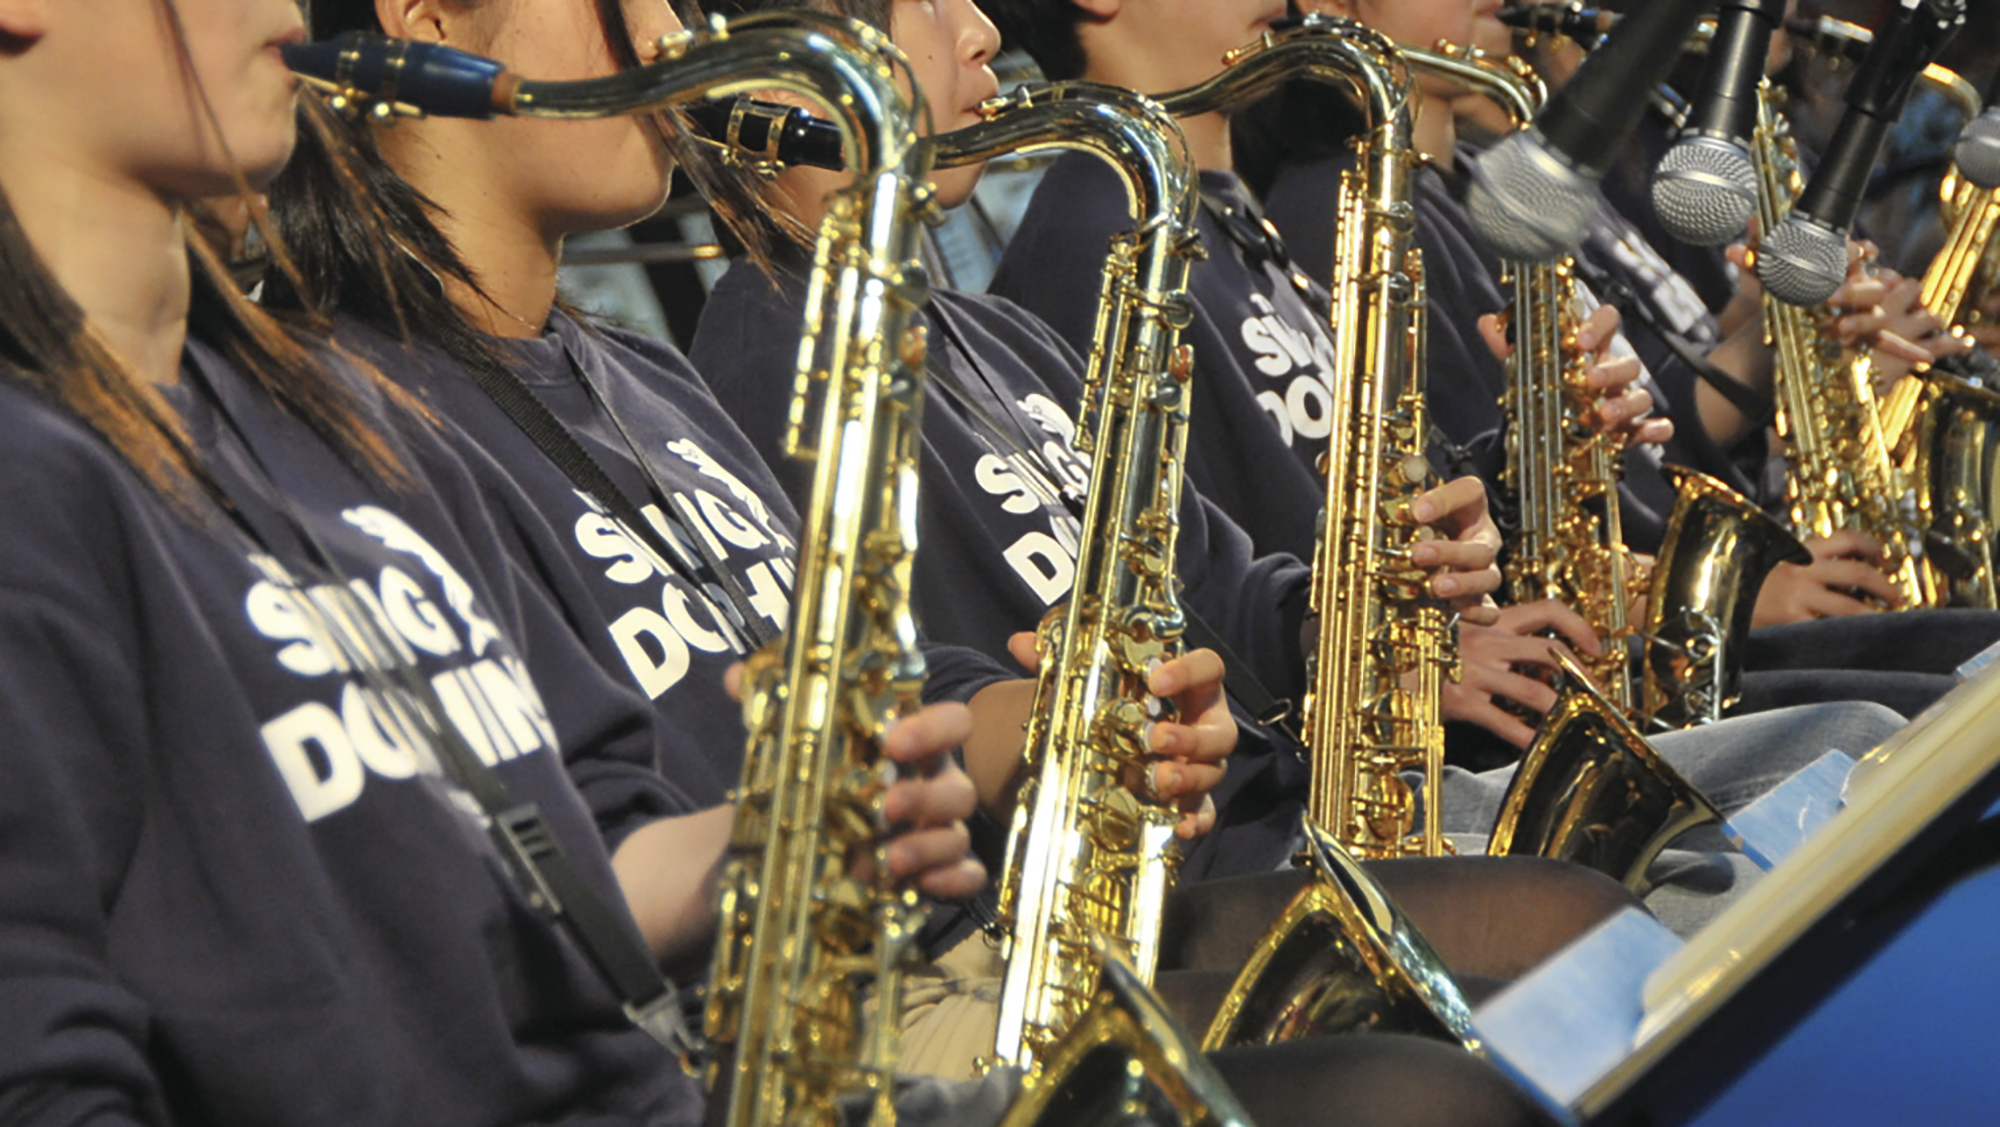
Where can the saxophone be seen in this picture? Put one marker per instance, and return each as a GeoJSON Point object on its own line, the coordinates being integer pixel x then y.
{"type": "Point", "coordinates": [1343, 957]}
{"type": "Point", "coordinates": [1944, 418]}
{"type": "Point", "coordinates": [1090, 853]}
{"type": "Point", "coordinates": [1377, 619]}
{"type": "Point", "coordinates": [800, 935]}
{"type": "Point", "coordinates": [1841, 472]}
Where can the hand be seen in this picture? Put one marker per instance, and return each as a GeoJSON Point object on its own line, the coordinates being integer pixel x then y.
{"type": "Point", "coordinates": [1900, 330]}
{"type": "Point", "coordinates": [1844, 565]}
{"type": "Point", "coordinates": [1621, 408]}
{"type": "Point", "coordinates": [928, 846]}
{"type": "Point", "coordinates": [1492, 658]}
{"type": "Point", "coordinates": [1463, 559]}
{"type": "Point", "coordinates": [1190, 751]}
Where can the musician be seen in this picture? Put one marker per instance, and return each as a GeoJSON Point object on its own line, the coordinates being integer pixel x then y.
{"type": "Point", "coordinates": [1904, 660]}
{"type": "Point", "coordinates": [653, 397]}
{"type": "Point", "coordinates": [244, 882]}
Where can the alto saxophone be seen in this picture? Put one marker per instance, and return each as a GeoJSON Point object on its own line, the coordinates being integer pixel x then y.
{"type": "Point", "coordinates": [800, 936]}
{"type": "Point", "coordinates": [1840, 470]}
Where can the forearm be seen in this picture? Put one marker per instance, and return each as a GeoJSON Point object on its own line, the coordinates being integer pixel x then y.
{"type": "Point", "coordinates": [994, 751]}
{"type": "Point", "coordinates": [668, 871]}
{"type": "Point", "coordinates": [1745, 358]}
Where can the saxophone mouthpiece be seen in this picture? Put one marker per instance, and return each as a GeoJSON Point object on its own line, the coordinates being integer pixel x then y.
{"type": "Point", "coordinates": [385, 77]}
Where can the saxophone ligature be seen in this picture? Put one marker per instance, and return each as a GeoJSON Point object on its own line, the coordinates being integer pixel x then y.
{"type": "Point", "coordinates": [1091, 852]}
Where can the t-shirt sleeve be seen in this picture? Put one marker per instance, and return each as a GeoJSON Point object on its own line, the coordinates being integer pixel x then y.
{"type": "Point", "coordinates": [73, 1044]}
{"type": "Point", "coordinates": [957, 673]}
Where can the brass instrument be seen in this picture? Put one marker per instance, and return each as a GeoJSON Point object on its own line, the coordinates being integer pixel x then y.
{"type": "Point", "coordinates": [1378, 620]}
{"type": "Point", "coordinates": [1717, 551]}
{"type": "Point", "coordinates": [1841, 470]}
{"type": "Point", "coordinates": [1090, 853]}
{"type": "Point", "coordinates": [1343, 957]}
{"type": "Point", "coordinates": [801, 936]}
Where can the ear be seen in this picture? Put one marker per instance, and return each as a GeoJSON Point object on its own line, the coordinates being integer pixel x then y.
{"type": "Point", "coordinates": [1099, 10]}
{"type": "Point", "coordinates": [422, 20]}
{"type": "Point", "coordinates": [22, 22]}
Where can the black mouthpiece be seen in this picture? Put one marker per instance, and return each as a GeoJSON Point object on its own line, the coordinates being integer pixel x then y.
{"type": "Point", "coordinates": [766, 131]}
{"type": "Point", "coordinates": [377, 70]}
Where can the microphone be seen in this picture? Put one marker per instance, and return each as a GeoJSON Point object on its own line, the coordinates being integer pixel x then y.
{"type": "Point", "coordinates": [1805, 260]}
{"type": "Point", "coordinates": [399, 77]}
{"type": "Point", "coordinates": [1532, 195]}
{"type": "Point", "coordinates": [767, 131]}
{"type": "Point", "coordinates": [1977, 153]}
{"type": "Point", "coordinates": [1705, 188]}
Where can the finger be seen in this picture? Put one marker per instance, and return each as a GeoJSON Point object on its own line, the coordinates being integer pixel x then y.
{"type": "Point", "coordinates": [1554, 614]}
{"type": "Point", "coordinates": [1025, 650]}
{"type": "Point", "coordinates": [1198, 671]}
{"type": "Point", "coordinates": [936, 801]}
{"type": "Point", "coordinates": [1903, 293]}
{"type": "Point", "coordinates": [1616, 372]}
{"type": "Point", "coordinates": [1652, 432]}
{"type": "Point", "coordinates": [1187, 780]}
{"type": "Point", "coordinates": [1471, 586]}
{"type": "Point", "coordinates": [1823, 603]}
{"type": "Point", "coordinates": [927, 732]}
{"type": "Point", "coordinates": [1847, 543]}
{"type": "Point", "coordinates": [1452, 555]}
{"type": "Point", "coordinates": [1463, 497]}
{"type": "Point", "coordinates": [1501, 723]}
{"type": "Point", "coordinates": [732, 681]}
{"type": "Point", "coordinates": [1854, 575]}
{"type": "Point", "coordinates": [1633, 403]}
{"type": "Point", "coordinates": [1495, 336]}
{"type": "Point", "coordinates": [961, 881]}
{"type": "Point", "coordinates": [1482, 613]}
{"type": "Point", "coordinates": [1525, 691]}
{"type": "Point", "coordinates": [1598, 328]}
{"type": "Point", "coordinates": [1890, 344]}
{"type": "Point", "coordinates": [935, 847]}
{"type": "Point", "coordinates": [1198, 823]}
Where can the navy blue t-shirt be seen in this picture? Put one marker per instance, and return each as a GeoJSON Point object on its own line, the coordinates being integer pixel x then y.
{"type": "Point", "coordinates": [669, 627]}
{"type": "Point", "coordinates": [235, 889]}
{"type": "Point", "coordinates": [996, 543]}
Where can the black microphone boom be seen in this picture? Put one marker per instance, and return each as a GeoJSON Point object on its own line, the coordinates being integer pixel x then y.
{"type": "Point", "coordinates": [1805, 260]}
{"type": "Point", "coordinates": [1705, 188]}
{"type": "Point", "coordinates": [1533, 194]}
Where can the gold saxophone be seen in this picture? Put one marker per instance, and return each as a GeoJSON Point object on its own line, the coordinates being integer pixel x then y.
{"type": "Point", "coordinates": [801, 935]}
{"type": "Point", "coordinates": [1343, 957]}
{"type": "Point", "coordinates": [1944, 418]}
{"type": "Point", "coordinates": [1378, 622]}
{"type": "Point", "coordinates": [1841, 472]}
{"type": "Point", "coordinates": [1090, 852]}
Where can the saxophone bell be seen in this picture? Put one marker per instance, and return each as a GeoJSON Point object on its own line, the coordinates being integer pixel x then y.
{"type": "Point", "coordinates": [1592, 791]}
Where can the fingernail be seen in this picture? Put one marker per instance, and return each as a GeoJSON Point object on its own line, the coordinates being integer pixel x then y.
{"type": "Point", "coordinates": [1166, 780]}
{"type": "Point", "coordinates": [892, 807]}
{"type": "Point", "coordinates": [1424, 511]}
{"type": "Point", "coordinates": [1445, 585]}
{"type": "Point", "coordinates": [1424, 555]}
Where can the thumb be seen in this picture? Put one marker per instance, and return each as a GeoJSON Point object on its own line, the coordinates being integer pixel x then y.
{"type": "Point", "coordinates": [1022, 648]}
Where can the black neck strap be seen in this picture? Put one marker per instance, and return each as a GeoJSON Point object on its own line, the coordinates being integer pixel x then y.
{"type": "Point", "coordinates": [533, 856]}
{"type": "Point", "coordinates": [706, 570]}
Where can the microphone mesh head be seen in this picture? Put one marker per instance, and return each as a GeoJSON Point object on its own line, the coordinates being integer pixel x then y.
{"type": "Point", "coordinates": [1802, 263]}
{"type": "Point", "coordinates": [1978, 151]}
{"type": "Point", "coordinates": [1526, 203]}
{"type": "Point", "coordinates": [1705, 191]}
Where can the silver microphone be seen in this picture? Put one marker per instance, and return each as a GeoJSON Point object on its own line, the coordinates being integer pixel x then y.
{"type": "Point", "coordinates": [1705, 188]}
{"type": "Point", "coordinates": [1978, 151]}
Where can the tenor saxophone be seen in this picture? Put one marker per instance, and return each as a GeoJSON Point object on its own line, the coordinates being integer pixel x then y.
{"type": "Point", "coordinates": [801, 934]}
{"type": "Point", "coordinates": [1091, 853]}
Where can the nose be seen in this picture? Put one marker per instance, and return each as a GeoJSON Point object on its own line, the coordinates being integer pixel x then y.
{"type": "Point", "coordinates": [978, 39]}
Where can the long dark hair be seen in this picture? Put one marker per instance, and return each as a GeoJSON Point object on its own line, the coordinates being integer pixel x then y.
{"type": "Point", "coordinates": [49, 346]}
{"type": "Point", "coordinates": [386, 263]}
